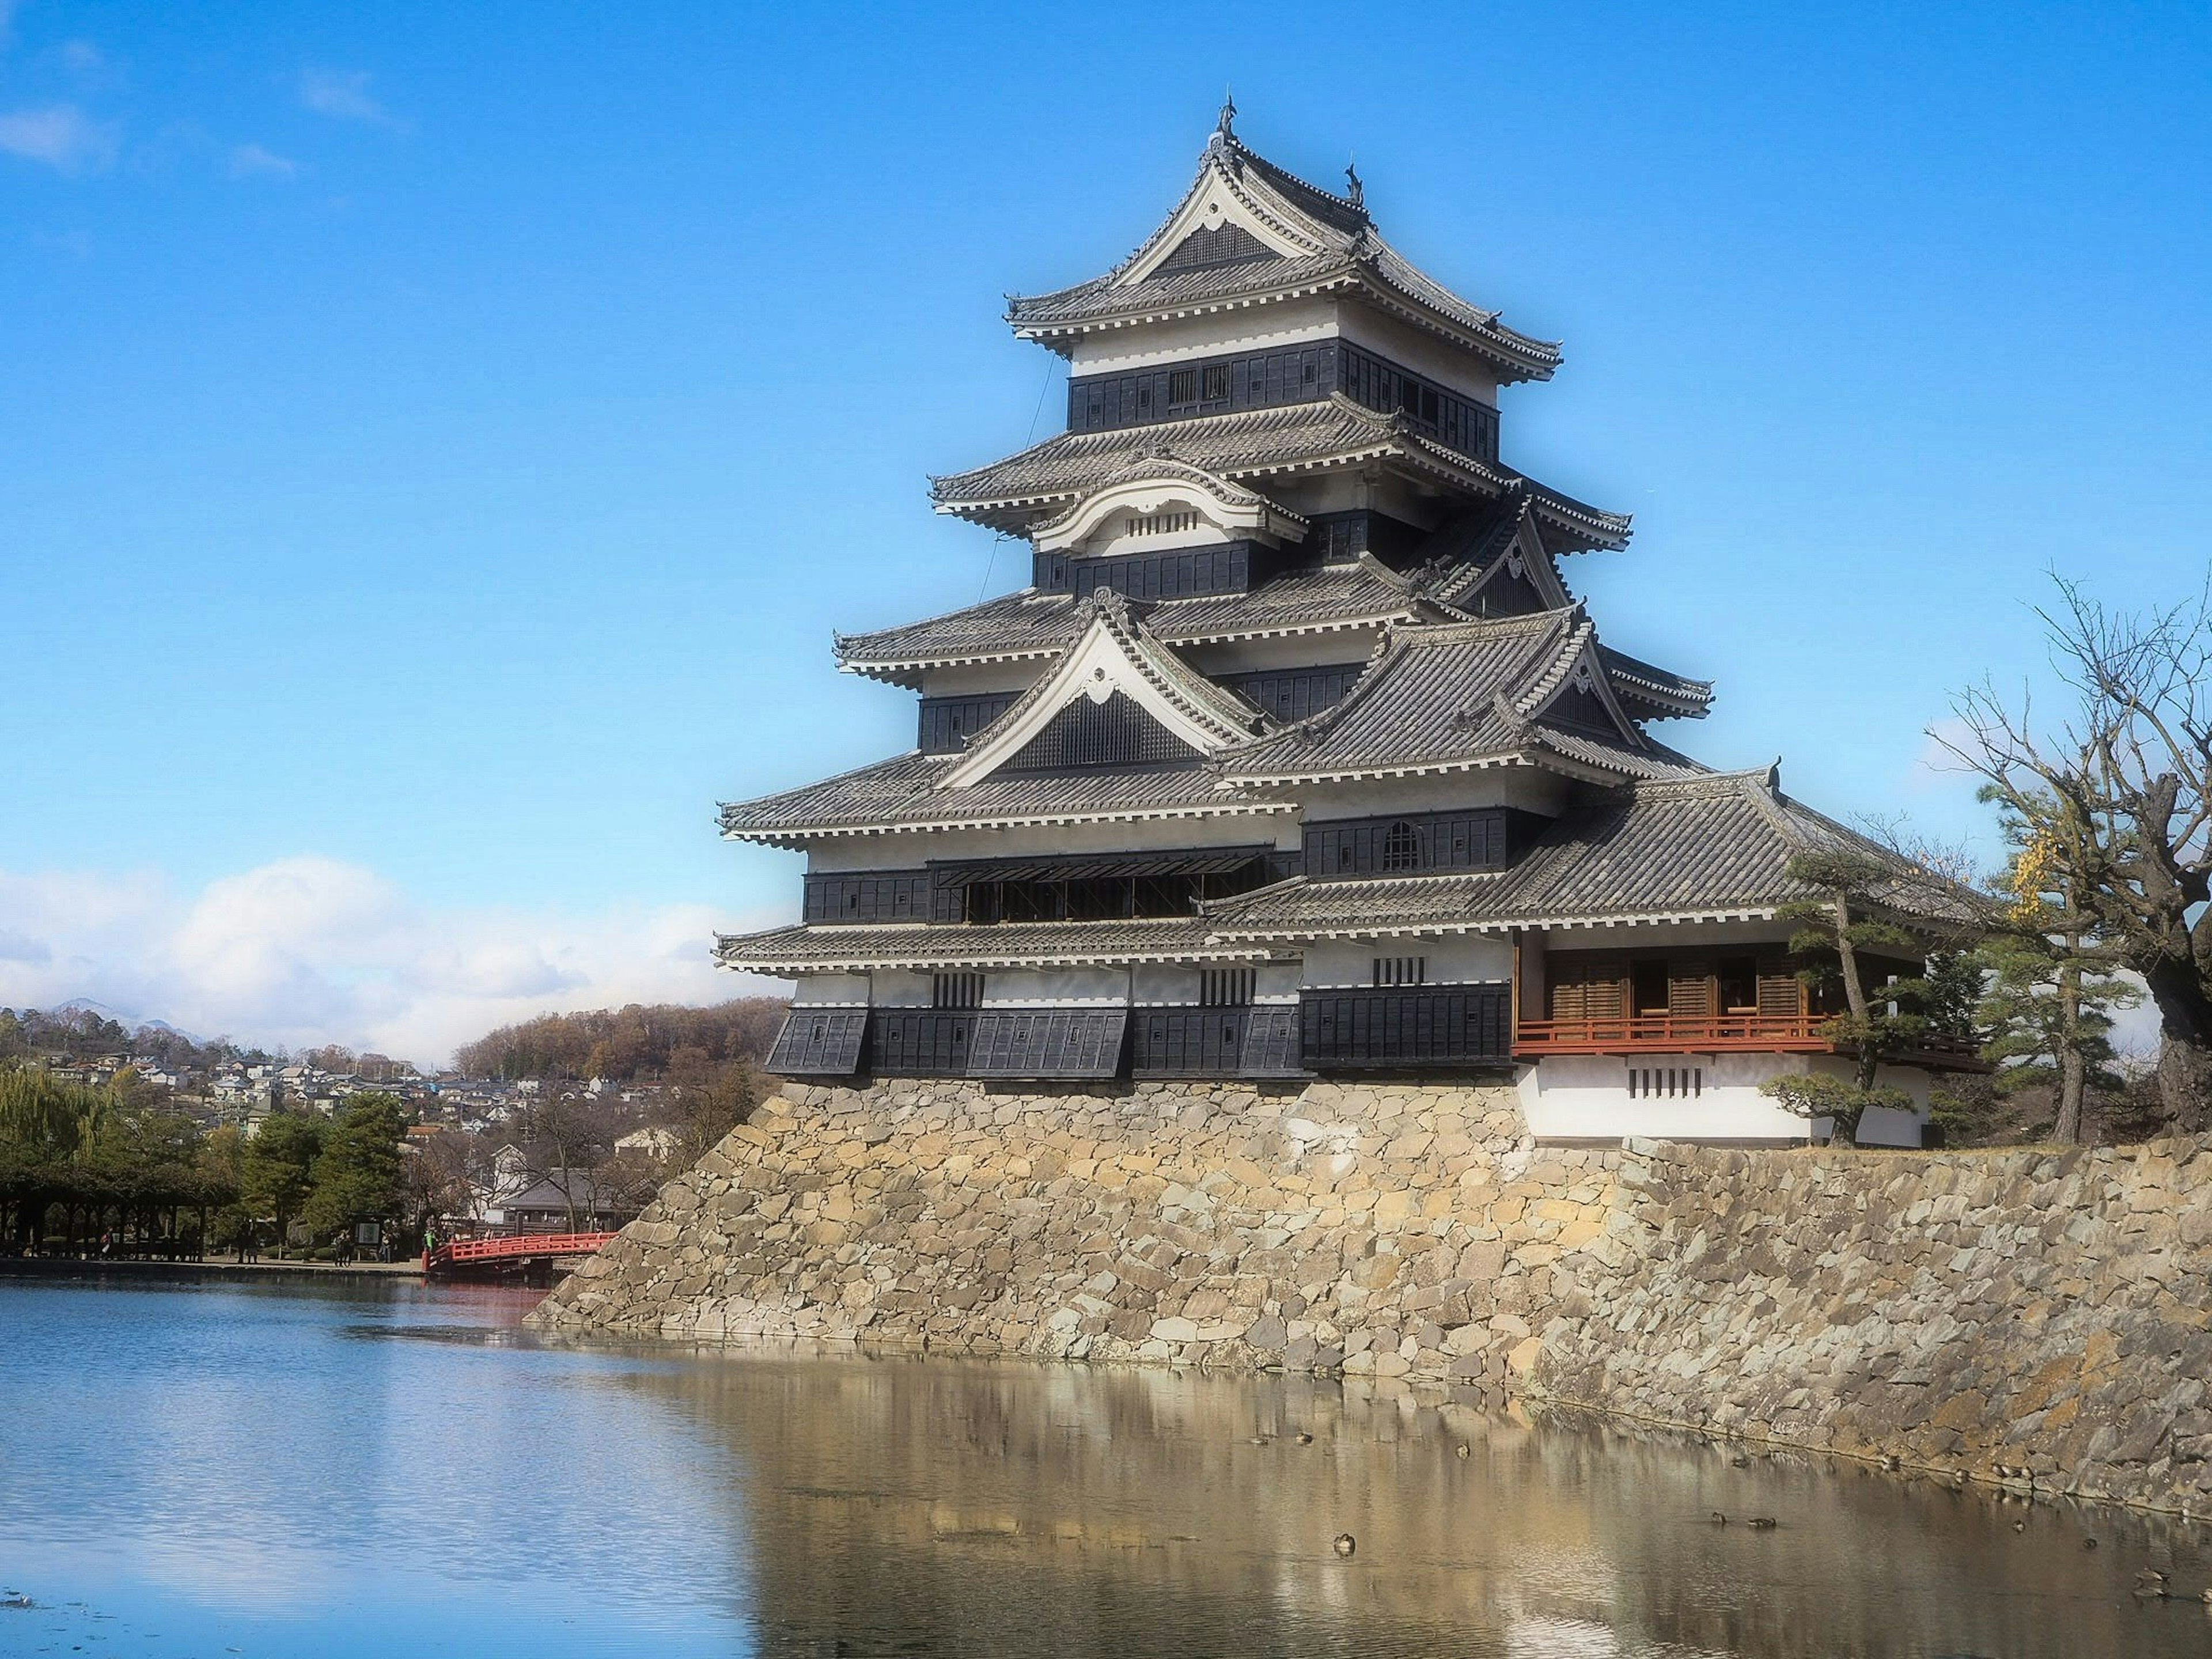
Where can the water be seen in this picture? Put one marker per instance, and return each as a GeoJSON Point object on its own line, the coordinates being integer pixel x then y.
{"type": "Point", "coordinates": [337, 1469]}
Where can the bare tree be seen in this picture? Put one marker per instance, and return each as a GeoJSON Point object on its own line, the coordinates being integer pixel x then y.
{"type": "Point", "coordinates": [2117, 802]}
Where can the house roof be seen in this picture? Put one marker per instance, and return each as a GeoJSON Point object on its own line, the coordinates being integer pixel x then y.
{"type": "Point", "coordinates": [1005, 944]}
{"type": "Point", "coordinates": [1708, 847]}
{"type": "Point", "coordinates": [1315, 243]}
{"type": "Point", "coordinates": [910, 791]}
{"type": "Point", "coordinates": [1451, 695]}
{"type": "Point", "coordinates": [1041, 482]}
{"type": "Point", "coordinates": [1029, 624]}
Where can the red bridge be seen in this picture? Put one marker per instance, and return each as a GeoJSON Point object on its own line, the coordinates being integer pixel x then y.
{"type": "Point", "coordinates": [515, 1250]}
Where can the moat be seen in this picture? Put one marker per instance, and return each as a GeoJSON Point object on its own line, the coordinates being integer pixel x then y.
{"type": "Point", "coordinates": [344, 1468]}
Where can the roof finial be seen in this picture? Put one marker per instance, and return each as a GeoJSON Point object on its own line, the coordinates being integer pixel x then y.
{"type": "Point", "coordinates": [1226, 127]}
{"type": "Point", "coordinates": [1357, 193]}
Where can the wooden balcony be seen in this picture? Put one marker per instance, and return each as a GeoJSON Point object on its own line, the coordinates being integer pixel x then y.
{"type": "Point", "coordinates": [1712, 1034]}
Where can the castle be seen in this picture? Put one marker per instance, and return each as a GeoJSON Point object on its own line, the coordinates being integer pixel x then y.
{"type": "Point", "coordinates": [1298, 757]}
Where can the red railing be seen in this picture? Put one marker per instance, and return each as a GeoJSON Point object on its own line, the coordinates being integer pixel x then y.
{"type": "Point", "coordinates": [517, 1247]}
{"type": "Point", "coordinates": [1655, 1034]}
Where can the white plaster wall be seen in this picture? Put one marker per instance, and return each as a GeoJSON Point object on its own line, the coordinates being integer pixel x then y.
{"type": "Point", "coordinates": [1285, 322]}
{"type": "Point", "coordinates": [1061, 987]}
{"type": "Point", "coordinates": [831, 990]}
{"type": "Point", "coordinates": [1585, 1098]}
{"type": "Point", "coordinates": [1277, 982]}
{"type": "Point", "coordinates": [975, 680]}
{"type": "Point", "coordinates": [1156, 982]}
{"type": "Point", "coordinates": [900, 988]}
{"type": "Point", "coordinates": [1336, 647]}
{"type": "Point", "coordinates": [1456, 960]}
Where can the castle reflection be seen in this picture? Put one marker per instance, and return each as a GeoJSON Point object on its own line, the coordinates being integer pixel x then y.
{"type": "Point", "coordinates": [939, 1506]}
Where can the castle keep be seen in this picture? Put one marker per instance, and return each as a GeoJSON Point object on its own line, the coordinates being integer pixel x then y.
{"type": "Point", "coordinates": [1298, 756]}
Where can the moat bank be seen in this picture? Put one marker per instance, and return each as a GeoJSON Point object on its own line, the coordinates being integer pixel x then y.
{"type": "Point", "coordinates": [2033, 1311]}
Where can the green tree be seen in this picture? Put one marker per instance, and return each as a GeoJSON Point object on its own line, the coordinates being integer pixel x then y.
{"type": "Point", "coordinates": [277, 1170]}
{"type": "Point", "coordinates": [357, 1175]}
{"type": "Point", "coordinates": [1842, 927]}
{"type": "Point", "coordinates": [2053, 987]}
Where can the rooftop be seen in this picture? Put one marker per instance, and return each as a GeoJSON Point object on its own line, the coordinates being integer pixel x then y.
{"type": "Point", "coordinates": [1250, 232]}
{"type": "Point", "coordinates": [1015, 494]}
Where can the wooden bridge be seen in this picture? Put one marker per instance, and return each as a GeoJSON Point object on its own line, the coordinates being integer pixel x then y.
{"type": "Point", "coordinates": [516, 1250]}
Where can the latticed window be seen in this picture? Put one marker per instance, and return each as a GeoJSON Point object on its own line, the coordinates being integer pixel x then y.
{"type": "Point", "coordinates": [1225, 988]}
{"type": "Point", "coordinates": [1666, 1082]}
{"type": "Point", "coordinates": [1401, 846]}
{"type": "Point", "coordinates": [1401, 970]}
{"type": "Point", "coordinates": [956, 991]}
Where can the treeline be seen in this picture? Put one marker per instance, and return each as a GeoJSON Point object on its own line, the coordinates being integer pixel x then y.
{"type": "Point", "coordinates": [82, 1034]}
{"type": "Point", "coordinates": [86, 1168]}
{"type": "Point", "coordinates": [638, 1043]}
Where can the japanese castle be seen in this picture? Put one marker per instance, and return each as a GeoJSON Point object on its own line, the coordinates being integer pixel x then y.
{"type": "Point", "coordinates": [1298, 757]}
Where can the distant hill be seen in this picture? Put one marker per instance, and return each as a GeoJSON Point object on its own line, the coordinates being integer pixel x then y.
{"type": "Point", "coordinates": [627, 1045]}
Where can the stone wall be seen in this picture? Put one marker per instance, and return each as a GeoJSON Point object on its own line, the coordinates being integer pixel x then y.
{"type": "Point", "coordinates": [1396, 1232]}
{"type": "Point", "coordinates": [2030, 1316]}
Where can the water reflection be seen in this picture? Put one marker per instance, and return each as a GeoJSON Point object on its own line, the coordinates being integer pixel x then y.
{"type": "Point", "coordinates": [316, 1468]}
{"type": "Point", "coordinates": [1009, 1509]}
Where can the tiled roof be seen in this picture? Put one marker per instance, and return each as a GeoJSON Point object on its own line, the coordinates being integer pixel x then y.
{"type": "Point", "coordinates": [1659, 692]}
{"type": "Point", "coordinates": [1341, 250]}
{"type": "Point", "coordinates": [1013, 494]}
{"type": "Point", "coordinates": [1455, 693]}
{"type": "Point", "coordinates": [1013, 944]}
{"type": "Point", "coordinates": [1033, 624]}
{"type": "Point", "coordinates": [907, 793]}
{"type": "Point", "coordinates": [1714, 846]}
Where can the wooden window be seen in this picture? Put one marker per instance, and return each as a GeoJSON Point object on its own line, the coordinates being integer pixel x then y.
{"type": "Point", "coordinates": [1401, 846]}
{"type": "Point", "coordinates": [1401, 970]}
{"type": "Point", "coordinates": [956, 991]}
{"type": "Point", "coordinates": [1182, 387]}
{"type": "Point", "coordinates": [1214, 378]}
{"type": "Point", "coordinates": [1225, 988]}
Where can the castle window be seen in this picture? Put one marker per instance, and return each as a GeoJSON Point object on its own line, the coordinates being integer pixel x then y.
{"type": "Point", "coordinates": [1401, 970]}
{"type": "Point", "coordinates": [1216, 377]}
{"type": "Point", "coordinates": [956, 991]}
{"type": "Point", "coordinates": [1225, 988]}
{"type": "Point", "coordinates": [1401, 846]}
{"type": "Point", "coordinates": [1182, 387]}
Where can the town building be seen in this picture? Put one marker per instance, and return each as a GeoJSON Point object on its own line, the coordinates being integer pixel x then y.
{"type": "Point", "coordinates": [1298, 757]}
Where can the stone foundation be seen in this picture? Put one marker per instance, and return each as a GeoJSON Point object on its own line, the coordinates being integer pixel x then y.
{"type": "Point", "coordinates": [2043, 1313]}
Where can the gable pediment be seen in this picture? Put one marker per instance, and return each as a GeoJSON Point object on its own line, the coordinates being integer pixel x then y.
{"type": "Point", "coordinates": [1211, 246]}
{"type": "Point", "coordinates": [1163, 501]}
{"type": "Point", "coordinates": [1146, 706]}
{"type": "Point", "coordinates": [1218, 220]}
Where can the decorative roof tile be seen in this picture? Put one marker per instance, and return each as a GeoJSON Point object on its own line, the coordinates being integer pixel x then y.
{"type": "Point", "coordinates": [1444, 696]}
{"type": "Point", "coordinates": [1333, 432]}
{"type": "Point", "coordinates": [1029, 624]}
{"type": "Point", "coordinates": [1711, 847]}
{"type": "Point", "coordinates": [908, 792]}
{"type": "Point", "coordinates": [1005, 945]}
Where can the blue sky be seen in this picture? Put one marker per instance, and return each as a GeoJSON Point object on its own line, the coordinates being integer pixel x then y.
{"type": "Point", "coordinates": [440, 440]}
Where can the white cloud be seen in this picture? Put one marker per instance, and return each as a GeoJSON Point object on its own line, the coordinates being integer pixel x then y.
{"type": "Point", "coordinates": [61, 136]}
{"type": "Point", "coordinates": [310, 950]}
{"type": "Point", "coordinates": [343, 94]}
{"type": "Point", "coordinates": [250, 160]}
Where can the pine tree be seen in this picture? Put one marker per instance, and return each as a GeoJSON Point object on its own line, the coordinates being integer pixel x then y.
{"type": "Point", "coordinates": [2053, 992]}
